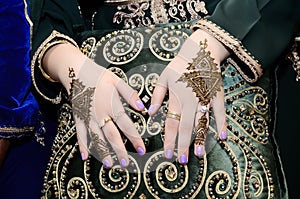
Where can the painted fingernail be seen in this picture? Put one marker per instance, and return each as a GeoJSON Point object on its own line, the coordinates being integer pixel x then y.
{"type": "Point", "coordinates": [183, 159]}
{"type": "Point", "coordinates": [223, 135]}
{"type": "Point", "coordinates": [169, 153]}
{"type": "Point", "coordinates": [106, 163]}
{"type": "Point", "coordinates": [82, 156]}
{"type": "Point", "coordinates": [150, 110]}
{"type": "Point", "coordinates": [140, 151]}
{"type": "Point", "coordinates": [199, 150]}
{"type": "Point", "coordinates": [123, 163]}
{"type": "Point", "coordinates": [140, 104]}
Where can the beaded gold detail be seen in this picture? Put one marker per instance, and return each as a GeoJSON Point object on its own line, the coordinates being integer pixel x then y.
{"type": "Point", "coordinates": [16, 129]}
{"type": "Point", "coordinates": [295, 58]}
{"type": "Point", "coordinates": [36, 61]}
{"type": "Point", "coordinates": [138, 13]}
{"type": "Point", "coordinates": [235, 45]}
{"type": "Point", "coordinates": [166, 43]}
{"type": "Point", "coordinates": [41, 56]}
{"type": "Point", "coordinates": [239, 167]}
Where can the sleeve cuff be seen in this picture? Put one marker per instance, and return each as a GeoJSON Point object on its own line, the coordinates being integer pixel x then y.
{"type": "Point", "coordinates": [16, 132]}
{"type": "Point", "coordinates": [42, 82]}
{"type": "Point", "coordinates": [253, 68]}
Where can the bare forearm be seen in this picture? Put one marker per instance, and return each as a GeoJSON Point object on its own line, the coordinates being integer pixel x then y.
{"type": "Point", "coordinates": [59, 59]}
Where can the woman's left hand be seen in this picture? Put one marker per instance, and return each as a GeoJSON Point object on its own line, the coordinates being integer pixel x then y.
{"type": "Point", "coordinates": [194, 83]}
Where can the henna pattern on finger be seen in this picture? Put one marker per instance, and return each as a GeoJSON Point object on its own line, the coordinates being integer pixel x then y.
{"type": "Point", "coordinates": [201, 131]}
{"type": "Point", "coordinates": [98, 144]}
{"type": "Point", "coordinates": [81, 99]}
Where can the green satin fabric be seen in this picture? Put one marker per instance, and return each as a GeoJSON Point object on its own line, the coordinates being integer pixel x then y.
{"type": "Point", "coordinates": [245, 165]}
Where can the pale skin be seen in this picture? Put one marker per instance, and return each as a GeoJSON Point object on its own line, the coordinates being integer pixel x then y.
{"type": "Point", "coordinates": [183, 128]}
{"type": "Point", "coordinates": [61, 57]}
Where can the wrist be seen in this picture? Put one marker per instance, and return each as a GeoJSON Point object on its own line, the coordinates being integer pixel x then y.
{"type": "Point", "coordinates": [59, 59]}
{"type": "Point", "coordinates": [218, 51]}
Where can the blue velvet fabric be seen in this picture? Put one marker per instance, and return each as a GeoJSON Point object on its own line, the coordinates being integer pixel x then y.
{"type": "Point", "coordinates": [18, 107]}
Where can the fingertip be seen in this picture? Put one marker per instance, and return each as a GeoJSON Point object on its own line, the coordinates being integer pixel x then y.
{"type": "Point", "coordinates": [199, 150]}
{"type": "Point", "coordinates": [183, 159]}
{"type": "Point", "coordinates": [124, 163]}
{"type": "Point", "coordinates": [141, 150]}
{"type": "Point", "coordinates": [107, 163]}
{"type": "Point", "coordinates": [139, 105]}
{"type": "Point", "coordinates": [223, 135]}
{"type": "Point", "coordinates": [152, 109]}
{"type": "Point", "coordinates": [169, 153]}
{"type": "Point", "coordinates": [84, 156]}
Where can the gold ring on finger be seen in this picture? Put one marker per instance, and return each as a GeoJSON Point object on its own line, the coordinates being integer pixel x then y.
{"type": "Point", "coordinates": [173, 115]}
{"type": "Point", "coordinates": [103, 122]}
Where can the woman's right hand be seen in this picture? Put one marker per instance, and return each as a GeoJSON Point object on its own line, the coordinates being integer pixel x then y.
{"type": "Point", "coordinates": [95, 97]}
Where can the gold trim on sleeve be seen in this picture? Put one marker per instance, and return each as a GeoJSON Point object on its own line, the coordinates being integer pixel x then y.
{"type": "Point", "coordinates": [16, 129]}
{"type": "Point", "coordinates": [41, 56]}
{"type": "Point", "coordinates": [235, 45]}
{"type": "Point", "coordinates": [54, 38]}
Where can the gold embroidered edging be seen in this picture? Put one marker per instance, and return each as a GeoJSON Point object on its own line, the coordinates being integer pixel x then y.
{"type": "Point", "coordinates": [124, 2]}
{"type": "Point", "coordinates": [235, 45]}
{"type": "Point", "coordinates": [16, 129]}
{"type": "Point", "coordinates": [42, 53]}
{"type": "Point", "coordinates": [28, 20]}
{"type": "Point", "coordinates": [54, 38]}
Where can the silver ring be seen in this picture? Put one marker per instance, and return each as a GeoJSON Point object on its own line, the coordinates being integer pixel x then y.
{"type": "Point", "coordinates": [203, 109]}
{"type": "Point", "coordinates": [118, 115]}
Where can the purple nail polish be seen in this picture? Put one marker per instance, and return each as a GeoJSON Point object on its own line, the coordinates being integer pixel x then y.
{"type": "Point", "coordinates": [82, 156]}
{"type": "Point", "coordinates": [123, 163]}
{"type": "Point", "coordinates": [140, 104]}
{"type": "Point", "coordinates": [150, 110]}
{"type": "Point", "coordinates": [140, 151]}
{"type": "Point", "coordinates": [200, 150]}
{"type": "Point", "coordinates": [169, 153]}
{"type": "Point", "coordinates": [183, 159]}
{"type": "Point", "coordinates": [223, 135]}
{"type": "Point", "coordinates": [106, 164]}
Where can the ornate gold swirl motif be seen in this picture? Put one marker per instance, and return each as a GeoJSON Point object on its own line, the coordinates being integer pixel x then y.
{"type": "Point", "coordinates": [220, 183]}
{"type": "Point", "coordinates": [164, 178]}
{"type": "Point", "coordinates": [256, 181]}
{"type": "Point", "coordinates": [166, 43]}
{"type": "Point", "coordinates": [167, 171]}
{"type": "Point", "coordinates": [88, 47]}
{"type": "Point", "coordinates": [119, 72]}
{"type": "Point", "coordinates": [146, 13]}
{"type": "Point", "coordinates": [150, 83]}
{"type": "Point", "coordinates": [138, 119]}
{"type": "Point", "coordinates": [137, 82]}
{"type": "Point", "coordinates": [249, 109]}
{"type": "Point", "coordinates": [121, 47]}
{"type": "Point", "coordinates": [116, 180]}
{"type": "Point", "coordinates": [77, 188]}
